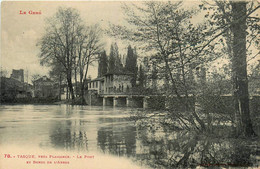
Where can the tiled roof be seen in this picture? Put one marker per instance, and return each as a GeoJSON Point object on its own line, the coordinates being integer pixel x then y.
{"type": "Point", "coordinates": [119, 73]}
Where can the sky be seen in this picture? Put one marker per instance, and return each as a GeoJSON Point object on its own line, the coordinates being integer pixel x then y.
{"type": "Point", "coordinates": [20, 32]}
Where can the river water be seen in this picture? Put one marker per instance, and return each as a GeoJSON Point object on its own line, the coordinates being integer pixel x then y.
{"type": "Point", "coordinates": [105, 133]}
{"type": "Point", "coordinates": [98, 137]}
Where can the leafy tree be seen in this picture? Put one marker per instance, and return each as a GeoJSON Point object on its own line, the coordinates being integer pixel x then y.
{"type": "Point", "coordinates": [131, 63]}
{"type": "Point", "coordinates": [3, 72]}
{"type": "Point", "coordinates": [111, 59]}
{"type": "Point", "coordinates": [102, 64]}
{"type": "Point", "coordinates": [114, 61]}
{"type": "Point", "coordinates": [118, 62]}
{"type": "Point", "coordinates": [141, 77]}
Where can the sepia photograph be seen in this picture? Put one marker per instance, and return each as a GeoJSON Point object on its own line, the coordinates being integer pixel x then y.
{"type": "Point", "coordinates": [130, 84]}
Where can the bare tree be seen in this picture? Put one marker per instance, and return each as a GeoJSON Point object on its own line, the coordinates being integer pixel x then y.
{"type": "Point", "coordinates": [165, 30]}
{"type": "Point", "coordinates": [88, 47]}
{"type": "Point", "coordinates": [71, 44]}
{"type": "Point", "coordinates": [59, 41]}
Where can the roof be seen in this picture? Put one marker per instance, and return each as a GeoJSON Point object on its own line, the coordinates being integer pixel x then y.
{"type": "Point", "coordinates": [43, 79]}
{"type": "Point", "coordinates": [118, 73]}
{"type": "Point", "coordinates": [96, 79]}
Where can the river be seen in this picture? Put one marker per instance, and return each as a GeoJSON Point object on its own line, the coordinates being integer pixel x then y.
{"type": "Point", "coordinates": [96, 137]}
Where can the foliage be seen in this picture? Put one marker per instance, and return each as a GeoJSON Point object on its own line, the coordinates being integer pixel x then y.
{"type": "Point", "coordinates": [181, 50]}
{"type": "Point", "coordinates": [102, 64]}
{"type": "Point", "coordinates": [114, 61]}
{"type": "Point", "coordinates": [141, 77]}
{"type": "Point", "coordinates": [3, 72]}
{"type": "Point", "coordinates": [166, 146]}
{"type": "Point", "coordinates": [131, 63]}
{"type": "Point", "coordinates": [177, 45]}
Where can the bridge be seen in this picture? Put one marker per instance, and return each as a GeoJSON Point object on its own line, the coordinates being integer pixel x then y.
{"type": "Point", "coordinates": [123, 100]}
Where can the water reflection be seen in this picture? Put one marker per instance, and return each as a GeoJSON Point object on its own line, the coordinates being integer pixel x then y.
{"type": "Point", "coordinates": [110, 131]}
{"type": "Point", "coordinates": [183, 149]}
{"type": "Point", "coordinates": [119, 141]}
{"type": "Point", "coordinates": [62, 136]}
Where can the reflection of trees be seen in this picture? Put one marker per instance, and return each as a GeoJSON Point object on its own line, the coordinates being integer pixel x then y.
{"type": "Point", "coordinates": [66, 135]}
{"type": "Point", "coordinates": [186, 149]}
{"type": "Point", "coordinates": [120, 141]}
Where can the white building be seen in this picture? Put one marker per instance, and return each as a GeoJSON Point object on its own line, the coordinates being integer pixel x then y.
{"type": "Point", "coordinates": [112, 83]}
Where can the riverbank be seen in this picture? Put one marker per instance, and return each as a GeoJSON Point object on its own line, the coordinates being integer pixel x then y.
{"type": "Point", "coordinates": [178, 146]}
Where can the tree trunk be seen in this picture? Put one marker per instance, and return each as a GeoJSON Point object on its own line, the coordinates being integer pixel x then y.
{"type": "Point", "coordinates": [82, 93]}
{"type": "Point", "coordinates": [60, 87]}
{"type": "Point", "coordinates": [70, 85]}
{"type": "Point", "coordinates": [76, 83]}
{"type": "Point", "coordinates": [239, 63]}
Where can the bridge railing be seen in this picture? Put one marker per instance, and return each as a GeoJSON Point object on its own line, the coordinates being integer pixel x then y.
{"type": "Point", "coordinates": [132, 91]}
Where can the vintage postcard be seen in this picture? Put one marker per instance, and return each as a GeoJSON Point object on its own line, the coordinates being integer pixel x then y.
{"type": "Point", "coordinates": [129, 84]}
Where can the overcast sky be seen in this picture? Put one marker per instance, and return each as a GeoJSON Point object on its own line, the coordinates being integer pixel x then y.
{"type": "Point", "coordinates": [20, 33]}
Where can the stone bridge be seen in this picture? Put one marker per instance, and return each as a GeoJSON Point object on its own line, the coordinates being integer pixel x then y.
{"type": "Point", "coordinates": [124, 100]}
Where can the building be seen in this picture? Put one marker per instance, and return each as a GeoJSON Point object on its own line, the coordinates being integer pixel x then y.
{"type": "Point", "coordinates": [117, 82]}
{"type": "Point", "coordinates": [96, 85]}
{"type": "Point", "coordinates": [45, 88]}
{"type": "Point", "coordinates": [18, 75]}
{"type": "Point", "coordinates": [112, 83]}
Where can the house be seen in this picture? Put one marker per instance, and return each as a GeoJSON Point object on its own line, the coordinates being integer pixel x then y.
{"type": "Point", "coordinates": [117, 82]}
{"type": "Point", "coordinates": [112, 83]}
{"type": "Point", "coordinates": [96, 85]}
{"type": "Point", "coordinates": [45, 88]}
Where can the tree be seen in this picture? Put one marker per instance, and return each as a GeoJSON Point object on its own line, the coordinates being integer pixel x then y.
{"type": "Point", "coordinates": [3, 72]}
{"type": "Point", "coordinates": [71, 44]}
{"type": "Point", "coordinates": [114, 61]}
{"type": "Point", "coordinates": [165, 30]}
{"type": "Point", "coordinates": [111, 59]}
{"type": "Point", "coordinates": [131, 63]}
{"type": "Point", "coordinates": [239, 66]}
{"type": "Point", "coordinates": [58, 75]}
{"type": "Point", "coordinates": [102, 64]}
{"type": "Point", "coordinates": [141, 77]}
{"type": "Point", "coordinates": [87, 51]}
{"type": "Point", "coordinates": [59, 40]}
{"type": "Point", "coordinates": [118, 62]}
{"type": "Point", "coordinates": [35, 77]}
{"type": "Point", "coordinates": [239, 30]}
